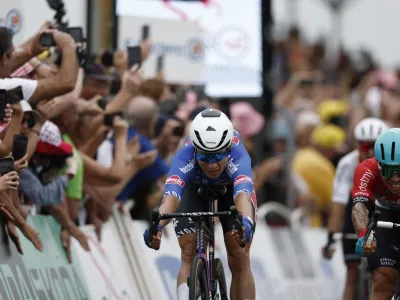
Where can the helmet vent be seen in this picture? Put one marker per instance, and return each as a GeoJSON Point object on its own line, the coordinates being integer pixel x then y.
{"type": "Point", "coordinates": [371, 129]}
{"type": "Point", "coordinates": [383, 152]}
{"type": "Point", "coordinates": [393, 149]}
{"type": "Point", "coordinates": [211, 113]}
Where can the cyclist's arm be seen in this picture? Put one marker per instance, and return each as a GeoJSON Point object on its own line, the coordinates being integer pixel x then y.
{"type": "Point", "coordinates": [341, 195]}
{"type": "Point", "coordinates": [169, 205]}
{"type": "Point", "coordinates": [243, 186]}
{"type": "Point", "coordinates": [361, 195]}
{"type": "Point", "coordinates": [182, 171]}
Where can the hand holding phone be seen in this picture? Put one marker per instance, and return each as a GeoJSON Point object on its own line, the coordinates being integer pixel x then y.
{"type": "Point", "coordinates": [6, 165]}
{"type": "Point", "coordinates": [109, 118]}
{"type": "Point", "coordinates": [145, 32]}
{"type": "Point", "coordinates": [15, 95]}
{"type": "Point", "coordinates": [134, 56]}
{"type": "Point", "coordinates": [160, 63]}
{"type": "Point", "coordinates": [3, 103]}
{"type": "Point", "coordinates": [102, 103]}
{"type": "Point", "coordinates": [19, 146]}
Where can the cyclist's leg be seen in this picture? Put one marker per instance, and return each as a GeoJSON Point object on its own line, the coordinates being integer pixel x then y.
{"type": "Point", "coordinates": [351, 280]}
{"type": "Point", "coordinates": [385, 262]}
{"type": "Point", "coordinates": [186, 232]}
{"type": "Point", "coordinates": [243, 285]}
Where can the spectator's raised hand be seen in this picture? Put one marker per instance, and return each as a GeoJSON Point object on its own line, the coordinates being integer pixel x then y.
{"type": "Point", "coordinates": [35, 47]}
{"type": "Point", "coordinates": [48, 109]}
{"type": "Point", "coordinates": [13, 234]}
{"type": "Point", "coordinates": [66, 242]}
{"type": "Point", "coordinates": [80, 236]}
{"type": "Point", "coordinates": [120, 124]}
{"type": "Point", "coordinates": [7, 114]}
{"type": "Point", "coordinates": [21, 164]}
{"type": "Point", "coordinates": [131, 79]}
{"type": "Point", "coordinates": [16, 109]}
{"type": "Point", "coordinates": [9, 181]}
{"type": "Point", "coordinates": [32, 235]}
{"type": "Point", "coordinates": [145, 159]}
{"type": "Point", "coordinates": [63, 40]}
{"type": "Point", "coordinates": [145, 47]}
{"type": "Point", "coordinates": [89, 107]}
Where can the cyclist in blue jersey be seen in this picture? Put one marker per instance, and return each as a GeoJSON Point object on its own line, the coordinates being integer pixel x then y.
{"type": "Point", "coordinates": [212, 155]}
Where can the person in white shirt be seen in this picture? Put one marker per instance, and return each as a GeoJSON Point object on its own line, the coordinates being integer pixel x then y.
{"type": "Point", "coordinates": [36, 90]}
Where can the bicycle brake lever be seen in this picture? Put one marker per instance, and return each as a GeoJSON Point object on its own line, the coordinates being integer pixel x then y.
{"type": "Point", "coordinates": [239, 228]}
{"type": "Point", "coordinates": [154, 221]}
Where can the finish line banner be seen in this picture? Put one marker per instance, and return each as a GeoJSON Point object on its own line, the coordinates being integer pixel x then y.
{"type": "Point", "coordinates": [231, 33]}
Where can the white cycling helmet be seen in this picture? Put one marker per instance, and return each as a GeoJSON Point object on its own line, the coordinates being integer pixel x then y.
{"type": "Point", "coordinates": [369, 129]}
{"type": "Point", "coordinates": [211, 131]}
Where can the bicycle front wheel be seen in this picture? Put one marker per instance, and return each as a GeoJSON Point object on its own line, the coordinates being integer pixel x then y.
{"type": "Point", "coordinates": [220, 274]}
{"type": "Point", "coordinates": [198, 287]}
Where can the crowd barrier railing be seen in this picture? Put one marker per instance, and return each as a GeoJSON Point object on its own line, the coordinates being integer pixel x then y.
{"type": "Point", "coordinates": [286, 263]}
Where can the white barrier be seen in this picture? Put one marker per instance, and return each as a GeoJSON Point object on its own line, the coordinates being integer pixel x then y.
{"type": "Point", "coordinates": [105, 267]}
{"type": "Point", "coordinates": [286, 264]}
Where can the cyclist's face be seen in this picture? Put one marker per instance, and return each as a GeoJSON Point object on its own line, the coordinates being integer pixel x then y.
{"type": "Point", "coordinates": [391, 177]}
{"type": "Point", "coordinates": [213, 170]}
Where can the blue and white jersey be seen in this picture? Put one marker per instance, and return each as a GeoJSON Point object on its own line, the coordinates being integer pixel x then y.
{"type": "Point", "coordinates": [184, 169]}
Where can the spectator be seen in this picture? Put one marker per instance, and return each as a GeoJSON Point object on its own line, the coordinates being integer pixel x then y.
{"type": "Point", "coordinates": [314, 165]}
{"type": "Point", "coordinates": [37, 90]}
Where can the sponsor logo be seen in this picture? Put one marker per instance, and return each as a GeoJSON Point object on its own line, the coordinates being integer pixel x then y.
{"type": "Point", "coordinates": [211, 143]}
{"type": "Point", "coordinates": [193, 49]}
{"type": "Point", "coordinates": [385, 261]}
{"type": "Point", "coordinates": [231, 168]}
{"type": "Point", "coordinates": [14, 20]}
{"type": "Point", "coordinates": [236, 140]}
{"type": "Point", "coordinates": [175, 179]}
{"type": "Point", "coordinates": [188, 167]}
{"type": "Point", "coordinates": [367, 176]}
{"type": "Point", "coordinates": [361, 194]}
{"type": "Point", "coordinates": [232, 43]}
{"type": "Point", "coordinates": [209, 128]}
{"type": "Point", "coordinates": [242, 179]}
{"type": "Point", "coordinates": [188, 142]}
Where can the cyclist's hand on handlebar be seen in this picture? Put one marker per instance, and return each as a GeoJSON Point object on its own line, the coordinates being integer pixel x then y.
{"type": "Point", "coordinates": [156, 240]}
{"type": "Point", "coordinates": [365, 250]}
{"type": "Point", "coordinates": [247, 230]}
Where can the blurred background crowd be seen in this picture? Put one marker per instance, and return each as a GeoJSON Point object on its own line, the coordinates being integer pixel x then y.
{"type": "Point", "coordinates": [100, 132]}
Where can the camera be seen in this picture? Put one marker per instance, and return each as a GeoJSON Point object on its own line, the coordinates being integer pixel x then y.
{"type": "Point", "coordinates": [58, 6]}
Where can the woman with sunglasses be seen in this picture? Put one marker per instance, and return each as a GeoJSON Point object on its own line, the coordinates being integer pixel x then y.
{"type": "Point", "coordinates": [212, 155]}
{"type": "Point", "coordinates": [377, 180]}
{"type": "Point", "coordinates": [365, 133]}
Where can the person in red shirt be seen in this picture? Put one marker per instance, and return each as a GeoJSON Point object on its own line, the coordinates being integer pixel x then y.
{"type": "Point", "coordinates": [377, 180]}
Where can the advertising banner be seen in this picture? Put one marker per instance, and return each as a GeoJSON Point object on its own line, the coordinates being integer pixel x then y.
{"type": "Point", "coordinates": [180, 44]}
{"type": "Point", "coordinates": [231, 31]}
{"type": "Point", "coordinates": [43, 275]}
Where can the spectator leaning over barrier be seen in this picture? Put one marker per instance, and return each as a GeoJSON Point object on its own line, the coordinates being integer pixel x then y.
{"type": "Point", "coordinates": [45, 186]}
{"type": "Point", "coordinates": [37, 90]}
{"type": "Point", "coordinates": [314, 165]}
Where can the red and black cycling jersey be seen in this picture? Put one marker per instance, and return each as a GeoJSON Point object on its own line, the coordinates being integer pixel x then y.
{"type": "Point", "coordinates": [369, 186]}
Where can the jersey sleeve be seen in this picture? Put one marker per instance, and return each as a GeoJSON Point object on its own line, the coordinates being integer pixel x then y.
{"type": "Point", "coordinates": [343, 183]}
{"type": "Point", "coordinates": [239, 167]}
{"type": "Point", "coordinates": [182, 171]}
{"type": "Point", "coordinates": [363, 182]}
